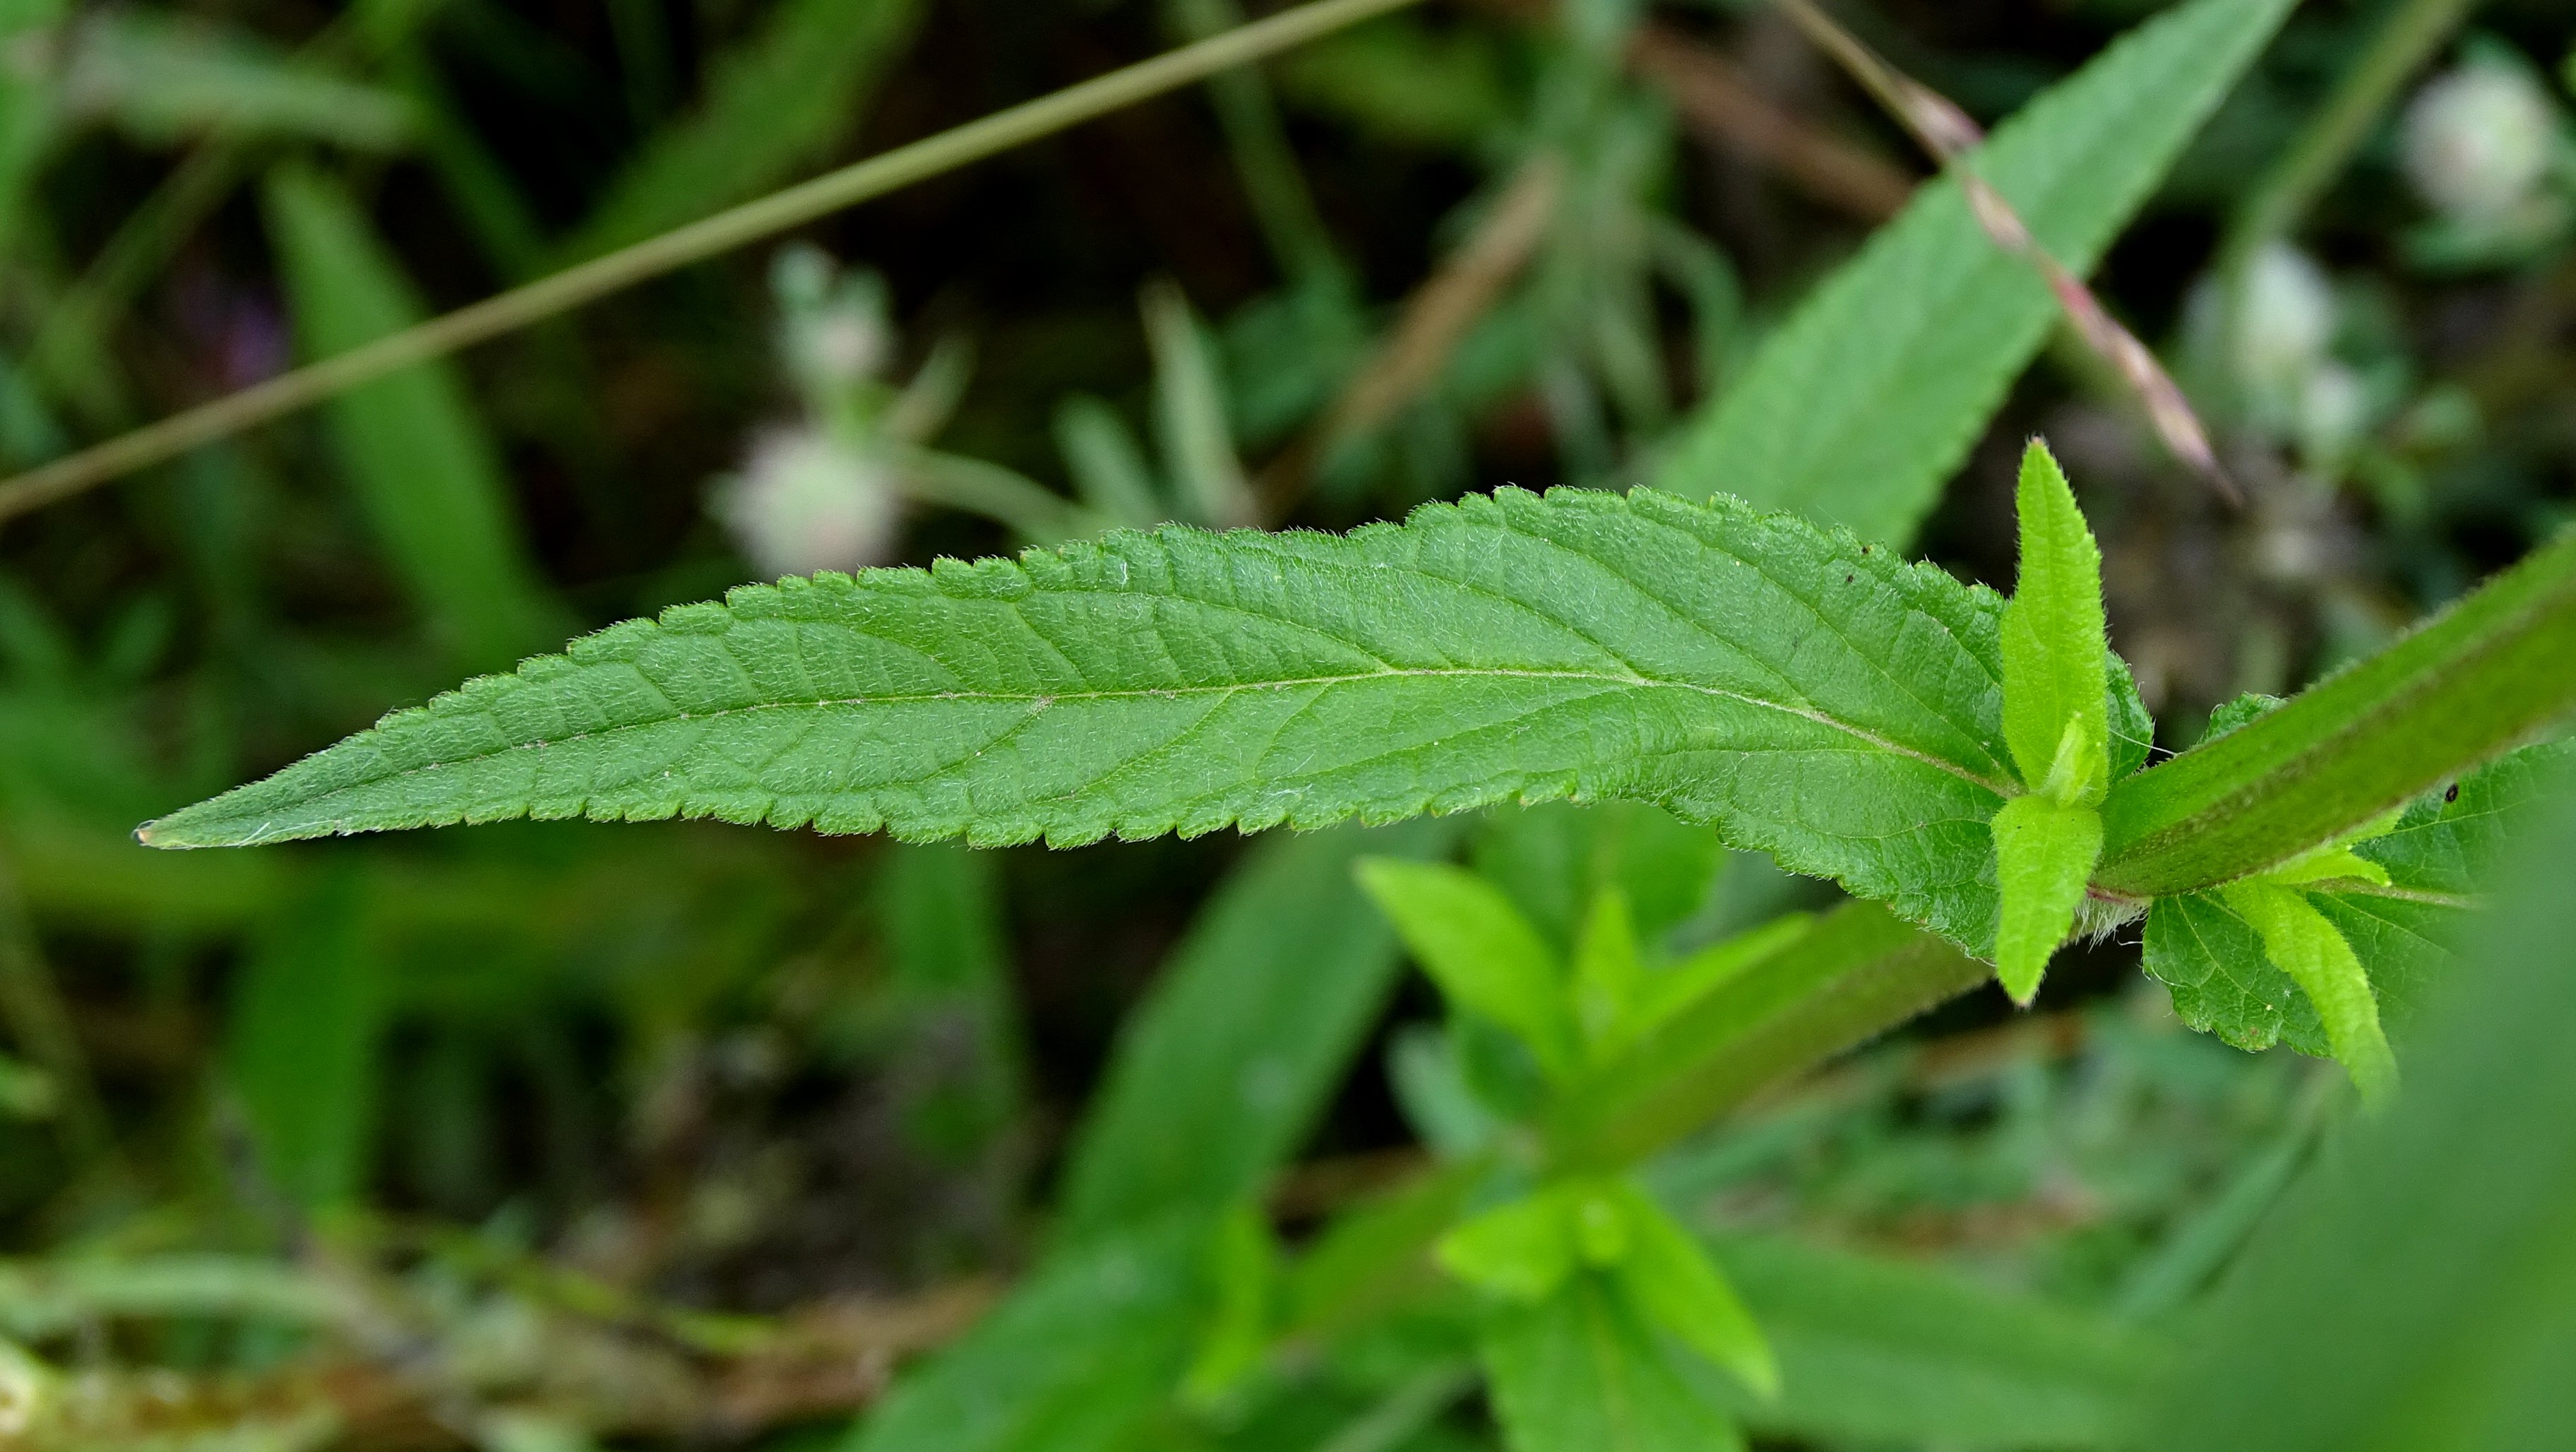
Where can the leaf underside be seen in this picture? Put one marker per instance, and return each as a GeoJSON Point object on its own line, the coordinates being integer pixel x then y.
{"type": "Point", "coordinates": [1814, 698]}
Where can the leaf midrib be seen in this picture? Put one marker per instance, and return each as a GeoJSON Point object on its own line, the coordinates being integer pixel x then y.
{"type": "Point", "coordinates": [1047, 699]}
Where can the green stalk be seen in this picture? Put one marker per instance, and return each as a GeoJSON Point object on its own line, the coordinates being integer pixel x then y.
{"type": "Point", "coordinates": [1859, 973]}
{"type": "Point", "coordinates": [767, 217]}
{"type": "Point", "coordinates": [2487, 674]}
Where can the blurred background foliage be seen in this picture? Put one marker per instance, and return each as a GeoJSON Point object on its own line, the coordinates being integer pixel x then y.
{"type": "Point", "coordinates": [545, 1136]}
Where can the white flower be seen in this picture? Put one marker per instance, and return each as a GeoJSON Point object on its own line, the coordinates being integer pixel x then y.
{"type": "Point", "coordinates": [2285, 318]}
{"type": "Point", "coordinates": [806, 501]}
{"type": "Point", "coordinates": [2334, 409]}
{"type": "Point", "coordinates": [2478, 139]}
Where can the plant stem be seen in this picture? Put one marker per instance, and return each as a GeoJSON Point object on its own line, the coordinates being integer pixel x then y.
{"type": "Point", "coordinates": [1859, 973]}
{"type": "Point", "coordinates": [2486, 675]}
{"type": "Point", "coordinates": [750, 222]}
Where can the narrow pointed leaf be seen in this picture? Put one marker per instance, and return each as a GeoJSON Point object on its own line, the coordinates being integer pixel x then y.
{"type": "Point", "coordinates": [2439, 857]}
{"type": "Point", "coordinates": [2043, 854]}
{"type": "Point", "coordinates": [1484, 955]}
{"type": "Point", "coordinates": [1869, 397]}
{"type": "Point", "coordinates": [425, 471]}
{"type": "Point", "coordinates": [301, 1055]}
{"type": "Point", "coordinates": [2299, 940]}
{"type": "Point", "coordinates": [1607, 970]}
{"type": "Point", "coordinates": [1669, 1276]}
{"type": "Point", "coordinates": [2054, 676]}
{"type": "Point", "coordinates": [1813, 697]}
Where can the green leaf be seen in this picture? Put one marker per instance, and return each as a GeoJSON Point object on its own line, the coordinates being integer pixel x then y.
{"type": "Point", "coordinates": [1608, 972]}
{"type": "Point", "coordinates": [2442, 850]}
{"type": "Point", "coordinates": [1109, 471]}
{"type": "Point", "coordinates": [1580, 1372]}
{"type": "Point", "coordinates": [1669, 1276]}
{"type": "Point", "coordinates": [1861, 406]}
{"type": "Point", "coordinates": [1855, 972]}
{"type": "Point", "coordinates": [1242, 1263]}
{"type": "Point", "coordinates": [1554, 860]}
{"type": "Point", "coordinates": [301, 1051]}
{"type": "Point", "coordinates": [1667, 991]}
{"type": "Point", "coordinates": [1815, 698]}
{"type": "Point", "coordinates": [1879, 1351]}
{"type": "Point", "coordinates": [2044, 853]}
{"type": "Point", "coordinates": [2055, 683]}
{"type": "Point", "coordinates": [1480, 950]}
{"type": "Point", "coordinates": [947, 968]}
{"type": "Point", "coordinates": [777, 103]}
{"type": "Point", "coordinates": [163, 78]}
{"type": "Point", "coordinates": [2488, 673]}
{"type": "Point", "coordinates": [1189, 414]}
{"type": "Point", "coordinates": [1217, 1077]}
{"type": "Point", "coordinates": [1523, 1250]}
{"type": "Point", "coordinates": [1083, 1352]}
{"type": "Point", "coordinates": [2452, 840]}
{"type": "Point", "coordinates": [2300, 942]}
{"type": "Point", "coordinates": [2418, 1288]}
{"type": "Point", "coordinates": [425, 473]}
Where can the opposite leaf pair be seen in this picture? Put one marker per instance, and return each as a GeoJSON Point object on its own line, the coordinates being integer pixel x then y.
{"type": "Point", "coordinates": [2048, 841]}
{"type": "Point", "coordinates": [1492, 964]}
{"type": "Point", "coordinates": [1529, 1249]}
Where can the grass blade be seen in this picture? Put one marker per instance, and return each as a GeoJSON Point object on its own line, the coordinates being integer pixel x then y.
{"type": "Point", "coordinates": [426, 474]}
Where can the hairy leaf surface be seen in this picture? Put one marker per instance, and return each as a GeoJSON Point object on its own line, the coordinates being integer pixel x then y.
{"type": "Point", "coordinates": [1813, 696]}
{"type": "Point", "coordinates": [1859, 408]}
{"type": "Point", "coordinates": [2442, 851]}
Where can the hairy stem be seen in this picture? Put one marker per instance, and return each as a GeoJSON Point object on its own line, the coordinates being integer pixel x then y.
{"type": "Point", "coordinates": [2486, 675]}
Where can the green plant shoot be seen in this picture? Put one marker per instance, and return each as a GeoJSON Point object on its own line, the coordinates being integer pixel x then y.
{"type": "Point", "coordinates": [2057, 726]}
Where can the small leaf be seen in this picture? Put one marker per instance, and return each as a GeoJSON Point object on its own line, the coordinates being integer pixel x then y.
{"type": "Point", "coordinates": [1669, 1276]}
{"type": "Point", "coordinates": [1607, 971]}
{"type": "Point", "coordinates": [2327, 864]}
{"type": "Point", "coordinates": [1522, 1251]}
{"type": "Point", "coordinates": [425, 470]}
{"type": "Point", "coordinates": [1189, 414]}
{"type": "Point", "coordinates": [1582, 1371]}
{"type": "Point", "coordinates": [2055, 680]}
{"type": "Point", "coordinates": [2044, 852]}
{"type": "Point", "coordinates": [2298, 939]}
{"type": "Point", "coordinates": [1668, 991]}
{"type": "Point", "coordinates": [1109, 470]}
{"type": "Point", "coordinates": [1485, 956]}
